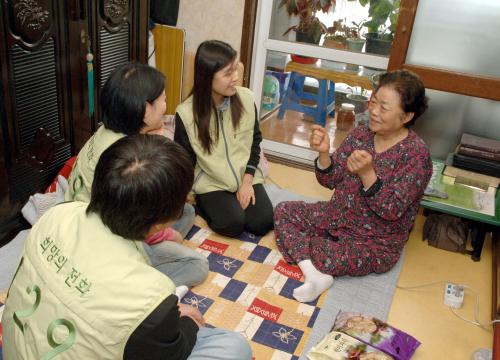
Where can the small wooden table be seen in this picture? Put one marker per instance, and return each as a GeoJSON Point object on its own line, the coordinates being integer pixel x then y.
{"type": "Point", "coordinates": [485, 223]}
{"type": "Point", "coordinates": [319, 72]}
{"type": "Point", "coordinates": [325, 97]}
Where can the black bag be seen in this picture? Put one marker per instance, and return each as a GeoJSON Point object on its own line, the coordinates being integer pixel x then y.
{"type": "Point", "coordinates": [446, 232]}
{"type": "Point", "coordinates": [164, 11]}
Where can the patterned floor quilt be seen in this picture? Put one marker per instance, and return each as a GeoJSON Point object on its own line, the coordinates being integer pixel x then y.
{"type": "Point", "coordinates": [249, 290]}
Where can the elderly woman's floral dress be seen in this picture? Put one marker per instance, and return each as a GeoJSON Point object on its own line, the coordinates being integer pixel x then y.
{"type": "Point", "coordinates": [358, 232]}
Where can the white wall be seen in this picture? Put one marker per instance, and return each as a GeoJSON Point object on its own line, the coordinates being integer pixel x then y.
{"type": "Point", "coordinates": [211, 19]}
{"type": "Point", "coordinates": [208, 20]}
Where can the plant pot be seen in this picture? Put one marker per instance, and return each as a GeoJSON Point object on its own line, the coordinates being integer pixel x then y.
{"type": "Point", "coordinates": [334, 43]}
{"type": "Point", "coordinates": [360, 102]}
{"type": "Point", "coordinates": [301, 36]}
{"type": "Point", "coordinates": [303, 59]}
{"type": "Point", "coordinates": [352, 67]}
{"type": "Point", "coordinates": [354, 44]}
{"type": "Point", "coordinates": [376, 44]}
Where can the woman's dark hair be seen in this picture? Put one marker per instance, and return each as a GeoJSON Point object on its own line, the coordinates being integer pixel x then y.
{"type": "Point", "coordinates": [411, 91]}
{"type": "Point", "coordinates": [211, 56]}
{"type": "Point", "coordinates": [140, 181]}
{"type": "Point", "coordinates": [125, 94]}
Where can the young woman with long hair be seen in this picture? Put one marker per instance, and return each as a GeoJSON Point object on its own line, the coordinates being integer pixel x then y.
{"type": "Point", "coordinates": [218, 125]}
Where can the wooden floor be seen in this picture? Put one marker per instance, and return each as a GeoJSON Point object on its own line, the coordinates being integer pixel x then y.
{"type": "Point", "coordinates": [421, 311]}
{"type": "Point", "coordinates": [295, 128]}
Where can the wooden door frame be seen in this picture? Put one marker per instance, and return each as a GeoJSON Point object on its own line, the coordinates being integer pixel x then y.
{"type": "Point", "coordinates": [247, 35]}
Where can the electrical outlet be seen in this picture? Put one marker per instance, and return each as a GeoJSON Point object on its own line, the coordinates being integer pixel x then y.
{"type": "Point", "coordinates": [453, 295]}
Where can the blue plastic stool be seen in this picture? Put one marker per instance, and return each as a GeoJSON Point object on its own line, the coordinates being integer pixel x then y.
{"type": "Point", "coordinates": [324, 99]}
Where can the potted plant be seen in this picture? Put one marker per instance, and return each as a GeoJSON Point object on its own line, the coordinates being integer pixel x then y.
{"type": "Point", "coordinates": [379, 36]}
{"type": "Point", "coordinates": [359, 98]}
{"type": "Point", "coordinates": [354, 40]}
{"type": "Point", "coordinates": [310, 28]}
{"type": "Point", "coordinates": [336, 35]}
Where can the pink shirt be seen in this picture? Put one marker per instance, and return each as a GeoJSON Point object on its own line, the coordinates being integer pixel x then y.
{"type": "Point", "coordinates": [163, 235]}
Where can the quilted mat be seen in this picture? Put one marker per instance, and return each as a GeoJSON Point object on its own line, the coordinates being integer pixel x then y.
{"type": "Point", "coordinates": [249, 290]}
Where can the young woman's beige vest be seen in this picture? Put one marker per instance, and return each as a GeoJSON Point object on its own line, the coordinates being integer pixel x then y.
{"type": "Point", "coordinates": [224, 168]}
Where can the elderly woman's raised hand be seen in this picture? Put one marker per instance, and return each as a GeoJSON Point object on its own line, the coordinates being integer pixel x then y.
{"type": "Point", "coordinates": [360, 162]}
{"type": "Point", "coordinates": [319, 140]}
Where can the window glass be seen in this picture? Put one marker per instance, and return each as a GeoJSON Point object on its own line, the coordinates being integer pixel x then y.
{"type": "Point", "coordinates": [457, 35]}
{"type": "Point", "coordinates": [346, 26]}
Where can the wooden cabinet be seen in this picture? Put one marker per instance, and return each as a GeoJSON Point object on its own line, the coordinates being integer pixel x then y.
{"type": "Point", "coordinates": [44, 95]}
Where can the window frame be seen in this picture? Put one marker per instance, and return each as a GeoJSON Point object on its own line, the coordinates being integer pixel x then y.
{"type": "Point", "coordinates": [487, 87]}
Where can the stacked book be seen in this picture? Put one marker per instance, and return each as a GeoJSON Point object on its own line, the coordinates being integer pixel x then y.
{"type": "Point", "coordinates": [478, 154]}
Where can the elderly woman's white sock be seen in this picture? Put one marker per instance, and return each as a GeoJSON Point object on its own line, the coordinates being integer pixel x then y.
{"type": "Point", "coordinates": [315, 282]}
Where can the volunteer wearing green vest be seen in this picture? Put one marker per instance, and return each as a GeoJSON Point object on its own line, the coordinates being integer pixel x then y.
{"type": "Point", "coordinates": [132, 102]}
{"type": "Point", "coordinates": [85, 290]}
{"type": "Point", "coordinates": [219, 127]}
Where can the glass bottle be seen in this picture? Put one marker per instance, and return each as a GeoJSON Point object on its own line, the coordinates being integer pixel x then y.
{"type": "Point", "coordinates": [345, 117]}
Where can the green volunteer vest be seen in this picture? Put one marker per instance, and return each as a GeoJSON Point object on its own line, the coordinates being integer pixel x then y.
{"type": "Point", "coordinates": [224, 168]}
{"type": "Point", "coordinates": [82, 175]}
{"type": "Point", "coordinates": [80, 290]}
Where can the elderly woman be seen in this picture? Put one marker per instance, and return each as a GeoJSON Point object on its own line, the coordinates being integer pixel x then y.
{"type": "Point", "coordinates": [379, 174]}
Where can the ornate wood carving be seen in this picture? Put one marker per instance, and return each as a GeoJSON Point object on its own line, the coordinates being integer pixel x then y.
{"type": "Point", "coordinates": [115, 12]}
{"type": "Point", "coordinates": [44, 85]}
{"type": "Point", "coordinates": [41, 151]}
{"type": "Point", "coordinates": [31, 19]}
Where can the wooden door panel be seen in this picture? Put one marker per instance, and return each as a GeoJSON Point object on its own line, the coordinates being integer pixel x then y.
{"type": "Point", "coordinates": [34, 98]}
{"type": "Point", "coordinates": [44, 103]}
{"type": "Point", "coordinates": [120, 36]}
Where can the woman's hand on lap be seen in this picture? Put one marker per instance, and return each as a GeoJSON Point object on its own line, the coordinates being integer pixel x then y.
{"type": "Point", "coordinates": [246, 193]}
{"type": "Point", "coordinates": [193, 313]}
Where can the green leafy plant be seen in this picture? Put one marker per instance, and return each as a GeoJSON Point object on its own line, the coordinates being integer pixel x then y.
{"type": "Point", "coordinates": [341, 31]}
{"type": "Point", "coordinates": [340, 35]}
{"type": "Point", "coordinates": [337, 33]}
{"type": "Point", "coordinates": [355, 29]}
{"type": "Point", "coordinates": [379, 11]}
{"type": "Point", "coordinates": [306, 10]}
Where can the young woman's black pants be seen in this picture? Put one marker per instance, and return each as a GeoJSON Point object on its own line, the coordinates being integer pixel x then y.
{"type": "Point", "coordinates": [224, 214]}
